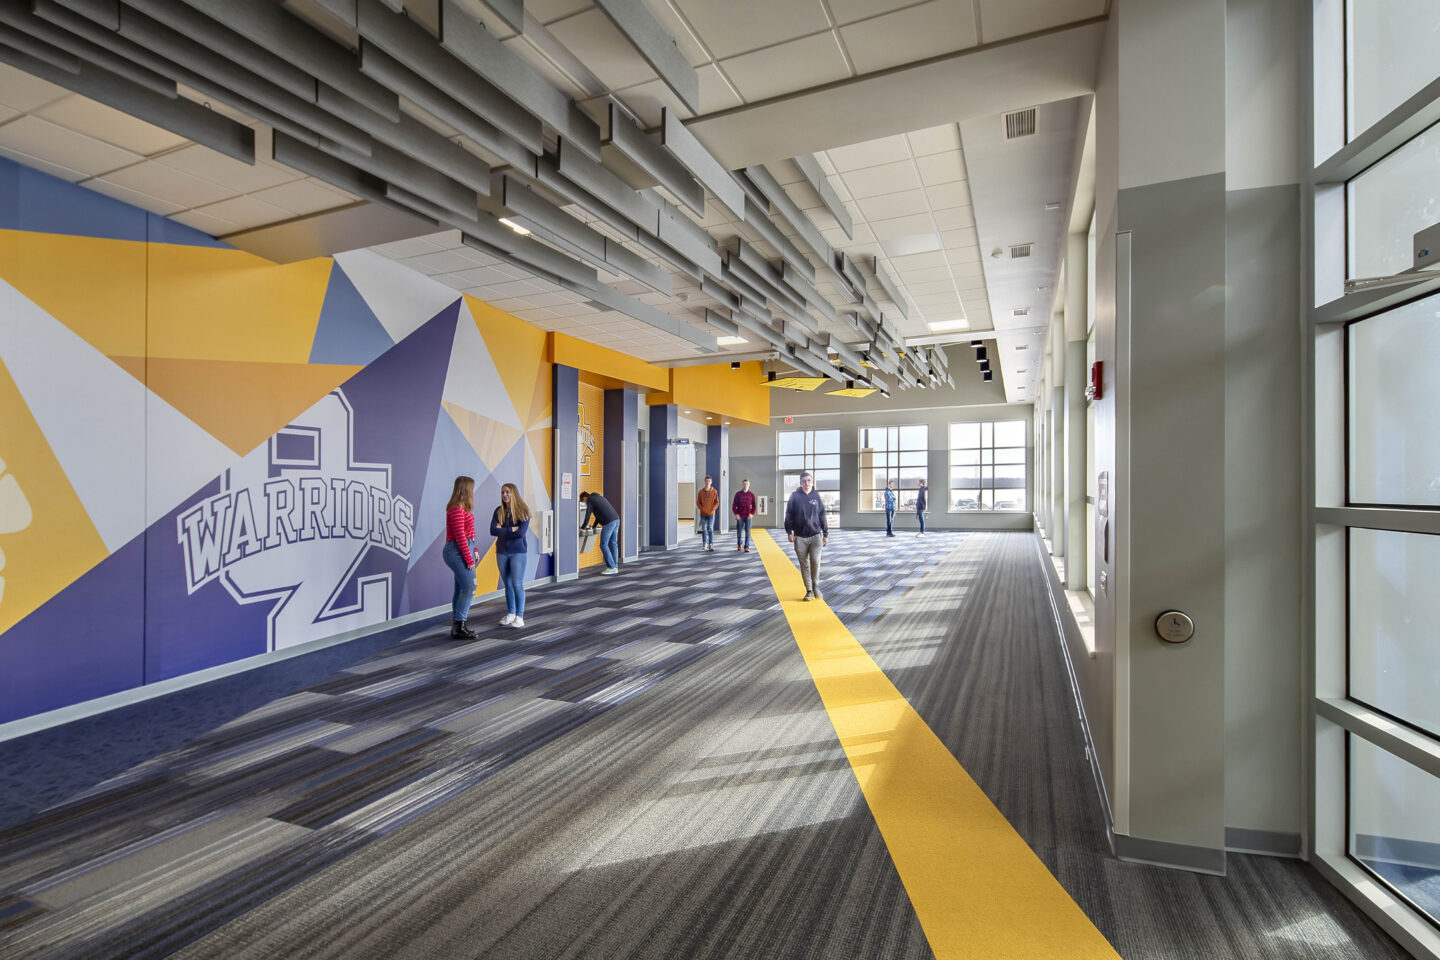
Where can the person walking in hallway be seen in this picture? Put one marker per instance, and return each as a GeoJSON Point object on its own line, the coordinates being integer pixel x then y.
{"type": "Point", "coordinates": [889, 508]}
{"type": "Point", "coordinates": [459, 554]}
{"type": "Point", "coordinates": [598, 509]}
{"type": "Point", "coordinates": [920, 507]}
{"type": "Point", "coordinates": [510, 526]}
{"type": "Point", "coordinates": [805, 523]}
{"type": "Point", "coordinates": [707, 501]}
{"type": "Point", "coordinates": [743, 507]}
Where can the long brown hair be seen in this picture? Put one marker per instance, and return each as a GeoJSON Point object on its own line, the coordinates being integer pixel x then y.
{"type": "Point", "coordinates": [463, 495]}
{"type": "Point", "coordinates": [519, 510]}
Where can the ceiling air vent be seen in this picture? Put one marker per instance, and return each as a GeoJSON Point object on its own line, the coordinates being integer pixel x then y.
{"type": "Point", "coordinates": [1022, 346]}
{"type": "Point", "coordinates": [1020, 312]}
{"type": "Point", "coordinates": [1020, 250]}
{"type": "Point", "coordinates": [1021, 123]}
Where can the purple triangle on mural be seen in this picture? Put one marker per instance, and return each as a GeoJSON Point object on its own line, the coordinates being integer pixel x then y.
{"type": "Point", "coordinates": [348, 331]}
{"type": "Point", "coordinates": [395, 395]}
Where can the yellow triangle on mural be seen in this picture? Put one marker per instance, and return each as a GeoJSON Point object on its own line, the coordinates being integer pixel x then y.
{"type": "Point", "coordinates": [95, 286]}
{"type": "Point", "coordinates": [241, 403]}
{"type": "Point", "coordinates": [518, 350]}
{"type": "Point", "coordinates": [491, 439]}
{"type": "Point", "coordinates": [47, 540]}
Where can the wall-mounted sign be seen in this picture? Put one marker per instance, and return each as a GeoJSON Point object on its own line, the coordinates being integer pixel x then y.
{"type": "Point", "coordinates": [567, 483]}
{"type": "Point", "coordinates": [1102, 493]}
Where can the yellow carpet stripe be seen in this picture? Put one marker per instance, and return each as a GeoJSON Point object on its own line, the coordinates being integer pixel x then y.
{"type": "Point", "coordinates": [976, 886]}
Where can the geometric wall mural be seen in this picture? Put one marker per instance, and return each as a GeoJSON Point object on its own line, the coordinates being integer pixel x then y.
{"type": "Point", "coordinates": [206, 456]}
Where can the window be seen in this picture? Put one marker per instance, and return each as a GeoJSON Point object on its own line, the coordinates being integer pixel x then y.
{"type": "Point", "coordinates": [1389, 202]}
{"type": "Point", "coordinates": [1392, 55]}
{"type": "Point", "coordinates": [816, 451]}
{"type": "Point", "coordinates": [894, 454]}
{"type": "Point", "coordinates": [987, 466]}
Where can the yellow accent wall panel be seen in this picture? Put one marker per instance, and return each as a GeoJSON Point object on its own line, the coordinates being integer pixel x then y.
{"type": "Point", "coordinates": [591, 476]}
{"type": "Point", "coordinates": [242, 403]}
{"type": "Point", "coordinates": [491, 439]}
{"type": "Point", "coordinates": [95, 286]}
{"type": "Point", "coordinates": [611, 365]}
{"type": "Point", "coordinates": [46, 538]}
{"type": "Point", "coordinates": [737, 395]}
{"type": "Point", "coordinates": [215, 304]}
{"type": "Point", "coordinates": [518, 350]}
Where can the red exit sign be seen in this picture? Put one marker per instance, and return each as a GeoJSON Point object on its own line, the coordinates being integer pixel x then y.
{"type": "Point", "coordinates": [789, 419]}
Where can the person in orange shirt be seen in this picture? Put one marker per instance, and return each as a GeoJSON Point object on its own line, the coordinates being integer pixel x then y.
{"type": "Point", "coordinates": [707, 501]}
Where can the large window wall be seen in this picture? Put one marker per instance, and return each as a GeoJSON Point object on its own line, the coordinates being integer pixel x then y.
{"type": "Point", "coordinates": [815, 451]}
{"type": "Point", "coordinates": [894, 454]}
{"type": "Point", "coordinates": [1376, 761]}
{"type": "Point", "coordinates": [987, 466]}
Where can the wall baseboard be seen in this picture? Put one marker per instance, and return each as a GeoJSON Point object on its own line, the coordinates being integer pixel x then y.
{"type": "Point", "coordinates": [1407, 853]}
{"type": "Point", "coordinates": [1163, 853]}
{"type": "Point", "coordinates": [1269, 843]}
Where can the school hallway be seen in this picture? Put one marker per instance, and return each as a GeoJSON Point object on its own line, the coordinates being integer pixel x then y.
{"type": "Point", "coordinates": [651, 768]}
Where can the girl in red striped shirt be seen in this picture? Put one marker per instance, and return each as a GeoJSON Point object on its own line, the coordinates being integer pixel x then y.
{"type": "Point", "coordinates": [460, 553]}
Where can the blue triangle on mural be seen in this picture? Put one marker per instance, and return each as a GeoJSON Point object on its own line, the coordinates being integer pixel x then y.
{"type": "Point", "coordinates": [451, 456]}
{"type": "Point", "coordinates": [348, 331]}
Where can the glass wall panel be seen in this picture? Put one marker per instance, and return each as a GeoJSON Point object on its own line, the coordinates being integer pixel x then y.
{"type": "Point", "coordinates": [988, 469]}
{"type": "Point", "coordinates": [1392, 55]}
{"type": "Point", "coordinates": [1389, 202]}
{"type": "Point", "coordinates": [1395, 624]}
{"type": "Point", "coordinates": [1394, 831]}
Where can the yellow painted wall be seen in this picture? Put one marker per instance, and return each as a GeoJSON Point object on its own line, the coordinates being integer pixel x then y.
{"type": "Point", "coordinates": [607, 368]}
{"type": "Point", "coordinates": [591, 477]}
{"type": "Point", "coordinates": [736, 395]}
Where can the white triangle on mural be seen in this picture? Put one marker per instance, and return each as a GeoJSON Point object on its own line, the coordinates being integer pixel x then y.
{"type": "Point", "coordinates": [472, 381]}
{"type": "Point", "coordinates": [402, 299]}
{"type": "Point", "coordinates": [180, 457]}
{"type": "Point", "coordinates": [541, 496]}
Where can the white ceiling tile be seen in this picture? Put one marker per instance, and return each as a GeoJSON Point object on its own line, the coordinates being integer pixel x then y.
{"type": "Point", "coordinates": [440, 261]}
{"type": "Point", "coordinates": [401, 249]}
{"type": "Point", "coordinates": [941, 168]}
{"type": "Point", "coordinates": [787, 67]}
{"type": "Point", "coordinates": [927, 275]}
{"type": "Point", "coordinates": [515, 288]}
{"type": "Point", "coordinates": [23, 92]}
{"type": "Point", "coordinates": [869, 153]}
{"type": "Point", "coordinates": [48, 141]}
{"type": "Point", "coordinates": [452, 281]}
{"type": "Point", "coordinates": [603, 49]}
{"type": "Point", "coordinates": [133, 197]}
{"type": "Point", "coordinates": [902, 226]}
{"type": "Point", "coordinates": [919, 261]}
{"type": "Point", "coordinates": [1000, 19]}
{"type": "Point", "coordinates": [955, 218]}
{"type": "Point", "coordinates": [484, 276]}
{"type": "Point", "coordinates": [247, 212]}
{"type": "Point", "coordinates": [930, 286]}
{"type": "Point", "coordinates": [941, 139]}
{"type": "Point", "coordinates": [86, 116]}
{"type": "Point", "coordinates": [915, 33]}
{"type": "Point", "coordinates": [956, 194]}
{"type": "Point", "coordinates": [848, 11]}
{"type": "Point", "coordinates": [44, 166]}
{"type": "Point", "coordinates": [715, 91]}
{"type": "Point", "coordinates": [205, 223]}
{"type": "Point", "coordinates": [884, 178]}
{"type": "Point", "coordinates": [303, 196]}
{"type": "Point", "coordinates": [890, 205]}
{"type": "Point", "coordinates": [735, 26]}
{"type": "Point", "coordinates": [201, 161]}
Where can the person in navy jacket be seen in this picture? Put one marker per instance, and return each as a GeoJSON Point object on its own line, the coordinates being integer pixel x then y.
{"type": "Point", "coordinates": [510, 526]}
{"type": "Point", "coordinates": [805, 523]}
{"type": "Point", "coordinates": [889, 508]}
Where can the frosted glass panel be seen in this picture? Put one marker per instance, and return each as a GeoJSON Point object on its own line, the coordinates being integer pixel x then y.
{"type": "Point", "coordinates": [1392, 55]}
{"type": "Point", "coordinates": [1395, 406]}
{"type": "Point", "coordinates": [1390, 202]}
{"type": "Point", "coordinates": [1395, 624]}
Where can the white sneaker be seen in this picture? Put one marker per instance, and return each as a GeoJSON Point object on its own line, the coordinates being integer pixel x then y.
{"type": "Point", "coordinates": [517, 622]}
{"type": "Point", "coordinates": [609, 570]}
{"type": "Point", "coordinates": [509, 619]}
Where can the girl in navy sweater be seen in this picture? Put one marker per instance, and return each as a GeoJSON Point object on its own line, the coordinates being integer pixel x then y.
{"type": "Point", "coordinates": [510, 526]}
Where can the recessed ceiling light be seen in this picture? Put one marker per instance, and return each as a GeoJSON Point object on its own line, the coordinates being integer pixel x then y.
{"type": "Point", "coordinates": [730, 341]}
{"type": "Point", "coordinates": [1052, 205]}
{"type": "Point", "coordinates": [940, 326]}
{"type": "Point", "coordinates": [515, 226]}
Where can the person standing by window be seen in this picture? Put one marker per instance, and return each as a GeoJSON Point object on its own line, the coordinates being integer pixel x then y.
{"type": "Point", "coordinates": [510, 526]}
{"type": "Point", "coordinates": [889, 508]}
{"type": "Point", "coordinates": [605, 517]}
{"type": "Point", "coordinates": [805, 523]}
{"type": "Point", "coordinates": [920, 507]}
{"type": "Point", "coordinates": [459, 553]}
{"type": "Point", "coordinates": [707, 501]}
{"type": "Point", "coordinates": [743, 506]}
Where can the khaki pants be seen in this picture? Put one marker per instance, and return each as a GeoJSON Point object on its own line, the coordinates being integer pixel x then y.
{"type": "Point", "coordinates": [807, 551]}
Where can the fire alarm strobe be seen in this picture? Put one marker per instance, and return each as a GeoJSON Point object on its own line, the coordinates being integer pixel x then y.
{"type": "Point", "coordinates": [1174, 626]}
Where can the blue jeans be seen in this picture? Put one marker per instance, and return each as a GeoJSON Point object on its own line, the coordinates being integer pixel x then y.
{"type": "Point", "coordinates": [890, 520]}
{"type": "Point", "coordinates": [512, 574]}
{"type": "Point", "coordinates": [707, 530]}
{"type": "Point", "coordinates": [464, 579]}
{"type": "Point", "coordinates": [607, 543]}
{"type": "Point", "coordinates": [742, 531]}
{"type": "Point", "coordinates": [920, 515]}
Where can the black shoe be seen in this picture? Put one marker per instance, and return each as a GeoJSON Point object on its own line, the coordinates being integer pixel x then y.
{"type": "Point", "coordinates": [458, 631]}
